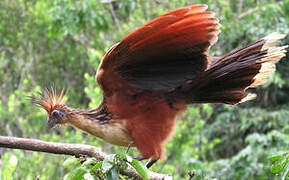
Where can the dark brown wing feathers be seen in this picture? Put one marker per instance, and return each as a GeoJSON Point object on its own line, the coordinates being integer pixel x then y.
{"type": "Point", "coordinates": [227, 80]}
{"type": "Point", "coordinates": [168, 55]}
{"type": "Point", "coordinates": [166, 51]}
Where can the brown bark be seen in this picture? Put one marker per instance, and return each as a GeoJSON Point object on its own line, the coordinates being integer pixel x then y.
{"type": "Point", "coordinates": [67, 149]}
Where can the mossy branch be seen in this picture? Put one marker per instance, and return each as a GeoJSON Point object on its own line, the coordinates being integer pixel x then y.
{"type": "Point", "coordinates": [68, 149]}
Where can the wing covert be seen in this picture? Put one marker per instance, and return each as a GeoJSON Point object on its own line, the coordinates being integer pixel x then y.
{"type": "Point", "coordinates": [165, 52]}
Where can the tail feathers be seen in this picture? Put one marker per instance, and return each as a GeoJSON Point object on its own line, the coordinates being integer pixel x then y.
{"type": "Point", "coordinates": [227, 78]}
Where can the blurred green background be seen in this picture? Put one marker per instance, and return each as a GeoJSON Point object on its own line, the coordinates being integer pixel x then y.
{"type": "Point", "coordinates": [62, 41]}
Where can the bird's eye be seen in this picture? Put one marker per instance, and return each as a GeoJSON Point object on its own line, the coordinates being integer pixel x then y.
{"type": "Point", "coordinates": [55, 113]}
{"type": "Point", "coordinates": [58, 114]}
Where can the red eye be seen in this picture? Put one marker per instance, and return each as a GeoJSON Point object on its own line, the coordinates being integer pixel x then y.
{"type": "Point", "coordinates": [58, 114]}
{"type": "Point", "coordinates": [55, 113]}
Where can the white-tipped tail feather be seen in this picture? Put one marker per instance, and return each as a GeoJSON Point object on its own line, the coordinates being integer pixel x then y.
{"type": "Point", "coordinates": [227, 80]}
{"type": "Point", "coordinates": [249, 97]}
{"type": "Point", "coordinates": [272, 40]}
{"type": "Point", "coordinates": [274, 52]}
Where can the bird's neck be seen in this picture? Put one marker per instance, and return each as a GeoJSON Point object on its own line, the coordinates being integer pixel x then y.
{"type": "Point", "coordinates": [91, 121]}
{"type": "Point", "coordinates": [99, 122]}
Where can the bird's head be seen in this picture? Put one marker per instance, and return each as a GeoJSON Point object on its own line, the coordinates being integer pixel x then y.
{"type": "Point", "coordinates": [54, 106]}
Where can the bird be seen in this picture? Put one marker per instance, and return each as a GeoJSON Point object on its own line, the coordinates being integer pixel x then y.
{"type": "Point", "coordinates": [150, 77]}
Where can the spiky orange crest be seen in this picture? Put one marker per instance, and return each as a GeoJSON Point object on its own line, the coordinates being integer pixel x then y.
{"type": "Point", "coordinates": [49, 100]}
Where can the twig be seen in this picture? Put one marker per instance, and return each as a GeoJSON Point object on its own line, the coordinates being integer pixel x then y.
{"type": "Point", "coordinates": [240, 7]}
{"type": "Point", "coordinates": [68, 149]}
{"type": "Point", "coordinates": [250, 11]}
{"type": "Point", "coordinates": [8, 130]}
{"type": "Point", "coordinates": [114, 18]}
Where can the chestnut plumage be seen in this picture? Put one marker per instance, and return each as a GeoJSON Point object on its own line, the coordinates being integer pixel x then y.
{"type": "Point", "coordinates": [150, 76]}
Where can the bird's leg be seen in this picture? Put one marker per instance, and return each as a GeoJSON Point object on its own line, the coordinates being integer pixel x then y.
{"type": "Point", "coordinates": [128, 147]}
{"type": "Point", "coordinates": [151, 162]}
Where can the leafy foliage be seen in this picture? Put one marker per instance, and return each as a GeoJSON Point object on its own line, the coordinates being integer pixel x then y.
{"type": "Point", "coordinates": [106, 169]}
{"type": "Point", "coordinates": [62, 42]}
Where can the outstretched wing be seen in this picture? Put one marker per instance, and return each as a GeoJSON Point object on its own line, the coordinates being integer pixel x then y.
{"type": "Point", "coordinates": [162, 54]}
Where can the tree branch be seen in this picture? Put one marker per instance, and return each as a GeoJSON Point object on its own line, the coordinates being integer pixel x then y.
{"type": "Point", "coordinates": [68, 149]}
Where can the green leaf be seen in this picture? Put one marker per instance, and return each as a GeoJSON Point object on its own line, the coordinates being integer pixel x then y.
{"type": "Point", "coordinates": [286, 173]}
{"type": "Point", "coordinates": [71, 161]}
{"type": "Point", "coordinates": [76, 174]}
{"type": "Point", "coordinates": [97, 166]}
{"type": "Point", "coordinates": [285, 162]}
{"type": "Point", "coordinates": [276, 168]}
{"type": "Point", "coordinates": [88, 162]}
{"type": "Point", "coordinates": [142, 171]}
{"type": "Point", "coordinates": [276, 158]}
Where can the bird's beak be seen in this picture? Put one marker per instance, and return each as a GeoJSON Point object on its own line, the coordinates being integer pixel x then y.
{"type": "Point", "coordinates": [51, 122]}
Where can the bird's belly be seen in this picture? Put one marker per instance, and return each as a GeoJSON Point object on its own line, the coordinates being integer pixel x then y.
{"type": "Point", "coordinates": [115, 133]}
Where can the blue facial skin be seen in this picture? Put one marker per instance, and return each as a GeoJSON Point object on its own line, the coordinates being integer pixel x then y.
{"type": "Point", "coordinates": [56, 117]}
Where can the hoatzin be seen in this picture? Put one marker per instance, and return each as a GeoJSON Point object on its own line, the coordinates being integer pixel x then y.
{"type": "Point", "coordinates": [150, 76]}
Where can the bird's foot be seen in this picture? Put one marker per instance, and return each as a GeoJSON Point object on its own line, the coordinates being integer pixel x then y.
{"type": "Point", "coordinates": [151, 162]}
